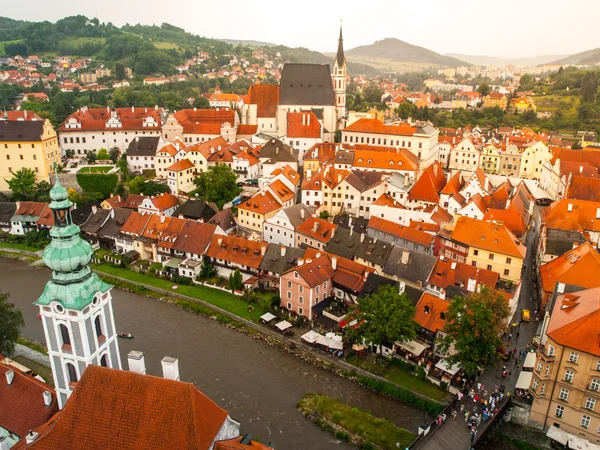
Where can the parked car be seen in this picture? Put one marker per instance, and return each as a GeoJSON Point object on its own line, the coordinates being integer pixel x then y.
{"type": "Point", "coordinates": [525, 315]}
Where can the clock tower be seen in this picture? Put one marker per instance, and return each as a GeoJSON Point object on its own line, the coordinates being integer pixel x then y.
{"type": "Point", "coordinates": [338, 77]}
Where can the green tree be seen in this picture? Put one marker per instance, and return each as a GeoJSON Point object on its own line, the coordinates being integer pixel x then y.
{"type": "Point", "coordinates": [201, 103]}
{"type": "Point", "coordinates": [238, 282]}
{"type": "Point", "coordinates": [473, 328]}
{"type": "Point", "coordinates": [218, 184]}
{"type": "Point", "coordinates": [484, 89]}
{"type": "Point", "coordinates": [119, 71]}
{"type": "Point", "coordinates": [206, 269]}
{"type": "Point", "coordinates": [527, 82]}
{"type": "Point", "coordinates": [114, 155]}
{"type": "Point", "coordinates": [231, 283]}
{"type": "Point", "coordinates": [589, 86]}
{"type": "Point", "coordinates": [22, 184]}
{"type": "Point", "coordinates": [11, 320]}
{"type": "Point", "coordinates": [102, 154]}
{"type": "Point", "coordinates": [384, 317]}
{"type": "Point", "coordinates": [75, 197]}
{"type": "Point", "coordinates": [91, 157]}
{"type": "Point", "coordinates": [405, 110]}
{"type": "Point", "coordinates": [42, 191]}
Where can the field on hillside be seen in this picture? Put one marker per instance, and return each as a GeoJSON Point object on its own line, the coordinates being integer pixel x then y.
{"type": "Point", "coordinates": [388, 64]}
{"type": "Point", "coordinates": [3, 43]}
{"type": "Point", "coordinates": [166, 45]}
{"type": "Point", "coordinates": [552, 103]}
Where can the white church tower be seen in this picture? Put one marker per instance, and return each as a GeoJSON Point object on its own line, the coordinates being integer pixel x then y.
{"type": "Point", "coordinates": [339, 83]}
{"type": "Point", "coordinates": [75, 307]}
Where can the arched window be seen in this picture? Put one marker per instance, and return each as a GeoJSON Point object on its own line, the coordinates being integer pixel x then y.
{"type": "Point", "coordinates": [104, 361]}
{"type": "Point", "coordinates": [72, 373]}
{"type": "Point", "coordinates": [98, 327]}
{"type": "Point", "coordinates": [64, 334]}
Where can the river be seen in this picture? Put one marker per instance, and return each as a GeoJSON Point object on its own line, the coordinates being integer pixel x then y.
{"type": "Point", "coordinates": [259, 385]}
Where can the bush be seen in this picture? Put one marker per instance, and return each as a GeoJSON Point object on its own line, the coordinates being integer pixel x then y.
{"type": "Point", "coordinates": [403, 365]}
{"type": "Point", "coordinates": [421, 373]}
{"type": "Point", "coordinates": [342, 436]}
{"type": "Point", "coordinates": [105, 184]}
{"type": "Point", "coordinates": [366, 446]}
{"type": "Point", "coordinates": [337, 416]}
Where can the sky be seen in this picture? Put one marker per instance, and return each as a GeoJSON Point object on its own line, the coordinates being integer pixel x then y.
{"type": "Point", "coordinates": [508, 28]}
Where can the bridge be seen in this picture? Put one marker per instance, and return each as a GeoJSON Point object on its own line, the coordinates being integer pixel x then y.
{"type": "Point", "coordinates": [453, 433]}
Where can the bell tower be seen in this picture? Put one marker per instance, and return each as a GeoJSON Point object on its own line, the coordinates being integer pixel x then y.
{"type": "Point", "coordinates": [338, 77]}
{"type": "Point", "coordinates": [75, 307]}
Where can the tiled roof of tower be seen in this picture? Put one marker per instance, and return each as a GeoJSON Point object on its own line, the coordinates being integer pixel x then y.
{"type": "Point", "coordinates": [95, 119]}
{"type": "Point", "coordinates": [127, 410]}
{"type": "Point", "coordinates": [579, 266]}
{"type": "Point", "coordinates": [204, 121]}
{"type": "Point", "coordinates": [574, 321]}
{"type": "Point", "coordinates": [265, 97]}
{"type": "Point", "coordinates": [377, 126]}
{"type": "Point", "coordinates": [22, 402]}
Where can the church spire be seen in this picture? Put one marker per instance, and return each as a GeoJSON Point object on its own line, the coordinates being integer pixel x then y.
{"type": "Point", "coordinates": [340, 58]}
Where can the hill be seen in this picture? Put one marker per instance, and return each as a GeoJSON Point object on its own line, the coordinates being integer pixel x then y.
{"type": "Point", "coordinates": [395, 50]}
{"type": "Point", "coordinates": [482, 60]}
{"type": "Point", "coordinates": [249, 43]}
{"type": "Point", "coordinates": [587, 57]}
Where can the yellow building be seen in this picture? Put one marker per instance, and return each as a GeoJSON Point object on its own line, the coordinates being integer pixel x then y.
{"type": "Point", "coordinates": [522, 104]}
{"type": "Point", "coordinates": [535, 155]}
{"type": "Point", "coordinates": [253, 212]}
{"type": "Point", "coordinates": [27, 144]}
{"type": "Point", "coordinates": [566, 380]}
{"type": "Point", "coordinates": [490, 159]}
{"type": "Point", "coordinates": [495, 99]}
{"type": "Point", "coordinates": [489, 245]}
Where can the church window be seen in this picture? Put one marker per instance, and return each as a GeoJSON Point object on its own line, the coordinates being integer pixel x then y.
{"type": "Point", "coordinates": [98, 328]}
{"type": "Point", "coordinates": [72, 373]}
{"type": "Point", "coordinates": [64, 334]}
{"type": "Point", "coordinates": [104, 361]}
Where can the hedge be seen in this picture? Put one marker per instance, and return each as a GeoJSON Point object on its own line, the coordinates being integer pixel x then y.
{"type": "Point", "coordinates": [105, 184]}
{"type": "Point", "coordinates": [405, 396]}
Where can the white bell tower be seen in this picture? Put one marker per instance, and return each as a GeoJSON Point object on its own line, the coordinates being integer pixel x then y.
{"type": "Point", "coordinates": [338, 77]}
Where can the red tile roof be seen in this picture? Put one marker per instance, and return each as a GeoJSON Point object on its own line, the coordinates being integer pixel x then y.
{"type": "Point", "coordinates": [317, 228]}
{"type": "Point", "coordinates": [262, 203]}
{"type": "Point", "coordinates": [447, 272]}
{"type": "Point", "coordinates": [46, 219]}
{"type": "Point", "coordinates": [289, 173]}
{"type": "Point", "coordinates": [511, 219]}
{"type": "Point", "coordinates": [400, 231]}
{"type": "Point", "coordinates": [34, 209]}
{"type": "Point", "coordinates": [164, 201]}
{"type": "Point", "coordinates": [430, 312]}
{"type": "Point", "coordinates": [579, 266]}
{"type": "Point", "coordinates": [377, 126]}
{"type": "Point", "coordinates": [574, 215]}
{"type": "Point", "coordinates": [584, 188]}
{"type": "Point", "coordinates": [281, 191]}
{"type": "Point", "coordinates": [246, 130]}
{"type": "Point", "coordinates": [315, 271]}
{"type": "Point", "coordinates": [429, 185]}
{"type": "Point", "coordinates": [194, 237]}
{"type": "Point", "coordinates": [387, 200]}
{"type": "Point", "coordinates": [22, 115]}
{"type": "Point", "coordinates": [304, 124]}
{"type": "Point", "coordinates": [135, 224]}
{"type": "Point", "coordinates": [237, 250]}
{"type": "Point", "coordinates": [22, 402]}
{"type": "Point", "coordinates": [94, 119]}
{"type": "Point", "coordinates": [236, 444]}
{"type": "Point", "coordinates": [399, 159]}
{"type": "Point", "coordinates": [204, 121]}
{"type": "Point", "coordinates": [266, 97]}
{"type": "Point", "coordinates": [181, 165]}
{"type": "Point", "coordinates": [112, 408]}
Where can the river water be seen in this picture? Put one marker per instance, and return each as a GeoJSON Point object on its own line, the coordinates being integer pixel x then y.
{"type": "Point", "coordinates": [259, 385]}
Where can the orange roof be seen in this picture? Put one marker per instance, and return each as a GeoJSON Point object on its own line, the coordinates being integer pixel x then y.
{"type": "Point", "coordinates": [583, 169]}
{"type": "Point", "coordinates": [134, 200]}
{"type": "Point", "coordinates": [377, 126]}
{"type": "Point", "coordinates": [584, 188]}
{"type": "Point", "coordinates": [170, 148]}
{"type": "Point", "coordinates": [204, 121]}
{"type": "Point", "coordinates": [262, 203]}
{"type": "Point", "coordinates": [454, 184]}
{"type": "Point", "coordinates": [399, 159]}
{"type": "Point", "coordinates": [135, 224]}
{"type": "Point", "coordinates": [317, 228]}
{"type": "Point", "coordinates": [22, 115]}
{"type": "Point", "coordinates": [34, 209]}
{"type": "Point", "coordinates": [387, 200]}
{"type": "Point", "coordinates": [22, 402]}
{"type": "Point", "coordinates": [150, 412]}
{"type": "Point", "coordinates": [184, 164]}
{"type": "Point", "coordinates": [314, 183]}
{"type": "Point", "coordinates": [281, 191]}
{"type": "Point", "coordinates": [247, 156]}
{"type": "Point", "coordinates": [164, 201]}
{"type": "Point", "coordinates": [239, 443]}
{"type": "Point", "coordinates": [95, 119]}
{"type": "Point", "coordinates": [430, 312]}
{"type": "Point", "coordinates": [348, 273]}
{"type": "Point", "coordinates": [400, 231]}
{"type": "Point", "coordinates": [289, 173]}
{"type": "Point", "coordinates": [424, 226]}
{"type": "Point", "coordinates": [429, 185]}
{"type": "Point", "coordinates": [219, 97]}
{"type": "Point", "coordinates": [579, 266]}
{"type": "Point", "coordinates": [315, 271]}
{"type": "Point", "coordinates": [575, 215]}
{"type": "Point", "coordinates": [588, 155]}
{"type": "Point", "coordinates": [479, 201]}
{"type": "Point", "coordinates": [207, 148]}
{"type": "Point", "coordinates": [304, 124]}
{"type": "Point", "coordinates": [574, 321]}
{"type": "Point", "coordinates": [237, 250]}
{"type": "Point", "coordinates": [246, 129]}
{"type": "Point", "coordinates": [194, 237]}
{"type": "Point", "coordinates": [447, 272]}
{"type": "Point", "coordinates": [488, 235]}
{"type": "Point", "coordinates": [46, 219]}
{"type": "Point", "coordinates": [266, 97]}
{"type": "Point", "coordinates": [511, 218]}
{"type": "Point", "coordinates": [322, 152]}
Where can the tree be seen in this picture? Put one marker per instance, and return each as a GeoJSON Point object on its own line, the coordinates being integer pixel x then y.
{"type": "Point", "coordinates": [114, 155]}
{"type": "Point", "coordinates": [206, 269]}
{"type": "Point", "coordinates": [473, 328]}
{"type": "Point", "coordinates": [527, 82]}
{"type": "Point", "coordinates": [238, 282]}
{"type": "Point", "coordinates": [119, 71]}
{"type": "Point", "coordinates": [11, 320]}
{"type": "Point", "coordinates": [218, 184]}
{"type": "Point", "coordinates": [42, 191]}
{"type": "Point", "coordinates": [589, 86]}
{"type": "Point", "coordinates": [74, 197]}
{"type": "Point", "coordinates": [384, 317]}
{"type": "Point", "coordinates": [201, 103]}
{"type": "Point", "coordinates": [22, 184]}
{"type": "Point", "coordinates": [91, 157]}
{"type": "Point", "coordinates": [102, 154]}
{"type": "Point", "coordinates": [484, 89]}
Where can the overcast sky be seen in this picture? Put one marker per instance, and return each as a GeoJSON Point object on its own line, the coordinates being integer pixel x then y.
{"type": "Point", "coordinates": [508, 28]}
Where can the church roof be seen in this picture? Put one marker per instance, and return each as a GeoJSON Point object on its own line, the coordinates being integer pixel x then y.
{"type": "Point", "coordinates": [340, 58]}
{"type": "Point", "coordinates": [306, 84]}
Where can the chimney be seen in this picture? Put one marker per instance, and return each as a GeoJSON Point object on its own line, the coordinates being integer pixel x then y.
{"type": "Point", "coordinates": [262, 193]}
{"type": "Point", "coordinates": [442, 294]}
{"type": "Point", "coordinates": [580, 169]}
{"type": "Point", "coordinates": [263, 250]}
{"type": "Point", "coordinates": [132, 108]}
{"type": "Point", "coordinates": [401, 287]}
{"type": "Point", "coordinates": [308, 174]}
{"type": "Point", "coordinates": [575, 244]}
{"type": "Point", "coordinates": [25, 114]}
{"type": "Point", "coordinates": [471, 285]}
{"type": "Point", "coordinates": [597, 213]}
{"type": "Point", "coordinates": [560, 288]}
{"type": "Point", "coordinates": [283, 249]}
{"type": "Point", "coordinates": [47, 398]}
{"type": "Point", "coordinates": [170, 368]}
{"type": "Point", "coordinates": [94, 209]}
{"type": "Point", "coordinates": [10, 375]}
{"type": "Point", "coordinates": [333, 262]}
{"type": "Point", "coordinates": [162, 218]}
{"type": "Point", "coordinates": [362, 237]}
{"type": "Point", "coordinates": [350, 231]}
{"type": "Point", "coordinates": [453, 265]}
{"type": "Point", "coordinates": [570, 207]}
{"type": "Point", "coordinates": [300, 261]}
{"type": "Point", "coordinates": [32, 436]}
{"type": "Point", "coordinates": [302, 213]}
{"type": "Point", "coordinates": [405, 257]}
{"type": "Point", "coordinates": [315, 226]}
{"type": "Point", "coordinates": [136, 362]}
{"type": "Point", "coordinates": [308, 119]}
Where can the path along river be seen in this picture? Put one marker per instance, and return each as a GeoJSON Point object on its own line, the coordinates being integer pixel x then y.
{"type": "Point", "coordinates": [259, 385]}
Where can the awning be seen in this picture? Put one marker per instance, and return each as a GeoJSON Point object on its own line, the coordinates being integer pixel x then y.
{"type": "Point", "coordinates": [558, 435]}
{"type": "Point", "coordinates": [578, 443]}
{"type": "Point", "coordinates": [284, 325]}
{"type": "Point", "coordinates": [310, 337]}
{"type": "Point", "coordinates": [524, 380]}
{"type": "Point", "coordinates": [416, 348]}
{"type": "Point", "coordinates": [529, 361]}
{"type": "Point", "coordinates": [442, 365]}
{"type": "Point", "coordinates": [323, 340]}
{"type": "Point", "coordinates": [335, 344]}
{"type": "Point", "coordinates": [267, 317]}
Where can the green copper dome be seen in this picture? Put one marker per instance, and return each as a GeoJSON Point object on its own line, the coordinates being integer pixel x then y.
{"type": "Point", "coordinates": [72, 283]}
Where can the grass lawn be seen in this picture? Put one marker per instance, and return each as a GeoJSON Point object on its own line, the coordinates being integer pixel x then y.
{"type": "Point", "coordinates": [401, 378]}
{"type": "Point", "coordinates": [551, 103]}
{"type": "Point", "coordinates": [377, 431]}
{"type": "Point", "coordinates": [166, 45]}
{"type": "Point", "coordinates": [43, 371]}
{"type": "Point", "coordinates": [84, 40]}
{"type": "Point", "coordinates": [95, 169]}
{"type": "Point", "coordinates": [222, 299]}
{"type": "Point", "coordinates": [18, 246]}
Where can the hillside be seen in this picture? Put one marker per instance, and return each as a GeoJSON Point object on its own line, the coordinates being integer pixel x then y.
{"type": "Point", "coordinates": [249, 43]}
{"type": "Point", "coordinates": [587, 57]}
{"type": "Point", "coordinates": [395, 50]}
{"type": "Point", "coordinates": [482, 60]}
